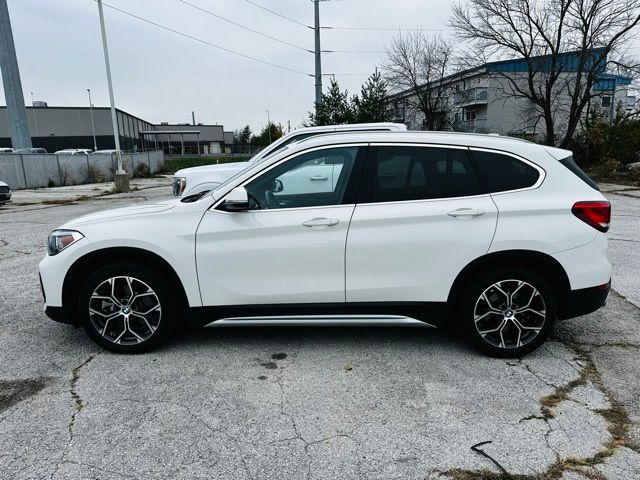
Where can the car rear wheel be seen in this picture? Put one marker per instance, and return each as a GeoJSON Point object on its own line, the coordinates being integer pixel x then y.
{"type": "Point", "coordinates": [509, 313]}
{"type": "Point", "coordinates": [126, 308]}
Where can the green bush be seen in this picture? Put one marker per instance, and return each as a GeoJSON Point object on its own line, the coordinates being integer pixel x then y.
{"type": "Point", "coordinates": [95, 175]}
{"type": "Point", "coordinates": [142, 171]}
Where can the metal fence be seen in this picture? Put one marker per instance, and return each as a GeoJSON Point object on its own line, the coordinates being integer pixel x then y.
{"type": "Point", "coordinates": [46, 170]}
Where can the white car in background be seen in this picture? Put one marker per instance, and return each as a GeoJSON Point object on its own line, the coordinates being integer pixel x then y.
{"type": "Point", "coordinates": [104, 152]}
{"type": "Point", "coordinates": [6, 150]}
{"type": "Point", "coordinates": [73, 151]}
{"type": "Point", "coordinates": [5, 193]}
{"type": "Point", "coordinates": [190, 181]}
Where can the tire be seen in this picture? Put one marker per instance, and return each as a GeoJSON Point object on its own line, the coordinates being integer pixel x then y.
{"type": "Point", "coordinates": [126, 308]}
{"type": "Point", "coordinates": [508, 313]}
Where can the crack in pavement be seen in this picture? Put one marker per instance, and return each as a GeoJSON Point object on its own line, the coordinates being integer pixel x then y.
{"type": "Point", "coordinates": [616, 418]}
{"type": "Point", "coordinates": [78, 406]}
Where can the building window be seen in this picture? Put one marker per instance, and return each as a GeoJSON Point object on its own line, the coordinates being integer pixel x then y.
{"type": "Point", "coordinates": [606, 102]}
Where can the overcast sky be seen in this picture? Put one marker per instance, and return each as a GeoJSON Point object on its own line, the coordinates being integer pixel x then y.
{"type": "Point", "coordinates": [161, 76]}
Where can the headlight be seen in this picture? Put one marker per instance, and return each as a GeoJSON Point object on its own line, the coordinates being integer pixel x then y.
{"type": "Point", "coordinates": [61, 239]}
{"type": "Point", "coordinates": [179, 184]}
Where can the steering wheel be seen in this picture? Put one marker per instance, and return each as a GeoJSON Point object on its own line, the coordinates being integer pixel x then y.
{"type": "Point", "coordinates": [271, 200]}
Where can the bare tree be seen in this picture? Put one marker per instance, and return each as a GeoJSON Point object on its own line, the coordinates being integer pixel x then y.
{"type": "Point", "coordinates": [415, 65]}
{"type": "Point", "coordinates": [542, 33]}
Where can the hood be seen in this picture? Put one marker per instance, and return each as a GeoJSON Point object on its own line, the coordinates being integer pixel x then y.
{"type": "Point", "coordinates": [211, 168]}
{"type": "Point", "coordinates": [2, 184]}
{"type": "Point", "coordinates": [122, 212]}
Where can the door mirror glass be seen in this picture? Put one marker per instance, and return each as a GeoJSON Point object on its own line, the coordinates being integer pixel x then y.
{"type": "Point", "coordinates": [237, 200]}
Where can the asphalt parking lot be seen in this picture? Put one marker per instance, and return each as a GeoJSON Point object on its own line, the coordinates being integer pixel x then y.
{"type": "Point", "coordinates": [313, 403]}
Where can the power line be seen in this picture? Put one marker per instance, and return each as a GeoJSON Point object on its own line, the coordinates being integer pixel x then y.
{"type": "Point", "coordinates": [244, 27]}
{"type": "Point", "coordinates": [375, 29]}
{"type": "Point", "coordinates": [279, 14]}
{"type": "Point", "coordinates": [186, 35]}
{"type": "Point", "coordinates": [353, 51]}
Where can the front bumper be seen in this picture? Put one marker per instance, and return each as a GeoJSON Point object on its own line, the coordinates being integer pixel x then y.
{"type": "Point", "coordinates": [59, 315]}
{"type": "Point", "coordinates": [585, 300]}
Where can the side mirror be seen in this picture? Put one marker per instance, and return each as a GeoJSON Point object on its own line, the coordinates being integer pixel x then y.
{"type": "Point", "coordinates": [237, 200]}
{"type": "Point", "coordinates": [278, 187]}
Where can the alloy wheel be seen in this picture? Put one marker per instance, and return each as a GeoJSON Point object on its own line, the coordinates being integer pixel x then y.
{"type": "Point", "coordinates": [125, 310]}
{"type": "Point", "coordinates": [510, 314]}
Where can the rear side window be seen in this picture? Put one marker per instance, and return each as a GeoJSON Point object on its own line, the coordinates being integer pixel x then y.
{"type": "Point", "coordinates": [501, 173]}
{"type": "Point", "coordinates": [399, 173]}
{"type": "Point", "coordinates": [571, 165]}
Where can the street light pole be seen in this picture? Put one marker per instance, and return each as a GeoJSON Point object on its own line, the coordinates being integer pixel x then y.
{"type": "Point", "coordinates": [93, 127]}
{"type": "Point", "coordinates": [318, 53]}
{"type": "Point", "coordinates": [121, 177]}
{"type": "Point", "coordinates": [269, 124]}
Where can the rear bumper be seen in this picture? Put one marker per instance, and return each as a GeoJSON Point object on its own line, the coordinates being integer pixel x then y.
{"type": "Point", "coordinates": [585, 300]}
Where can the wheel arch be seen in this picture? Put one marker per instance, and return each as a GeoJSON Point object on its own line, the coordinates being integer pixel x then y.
{"type": "Point", "coordinates": [98, 258]}
{"type": "Point", "coordinates": [541, 263]}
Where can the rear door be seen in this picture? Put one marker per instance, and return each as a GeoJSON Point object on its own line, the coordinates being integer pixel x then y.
{"type": "Point", "coordinates": [421, 217]}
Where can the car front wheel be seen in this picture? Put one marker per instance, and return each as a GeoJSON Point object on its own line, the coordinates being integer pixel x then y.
{"type": "Point", "coordinates": [508, 314]}
{"type": "Point", "coordinates": [126, 308]}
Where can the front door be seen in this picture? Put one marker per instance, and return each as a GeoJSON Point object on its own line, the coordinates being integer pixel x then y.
{"type": "Point", "coordinates": [289, 247]}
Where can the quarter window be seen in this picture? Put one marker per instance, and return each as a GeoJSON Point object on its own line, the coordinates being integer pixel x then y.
{"type": "Point", "coordinates": [501, 172]}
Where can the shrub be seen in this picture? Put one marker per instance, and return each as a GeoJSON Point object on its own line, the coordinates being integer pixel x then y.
{"type": "Point", "coordinates": [142, 171]}
{"type": "Point", "coordinates": [95, 175]}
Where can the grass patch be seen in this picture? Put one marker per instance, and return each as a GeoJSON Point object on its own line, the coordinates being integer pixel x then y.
{"type": "Point", "coordinates": [175, 164]}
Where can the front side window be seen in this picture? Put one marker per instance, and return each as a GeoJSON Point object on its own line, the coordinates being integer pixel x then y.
{"type": "Point", "coordinates": [318, 178]}
{"type": "Point", "coordinates": [400, 173]}
{"type": "Point", "coordinates": [502, 172]}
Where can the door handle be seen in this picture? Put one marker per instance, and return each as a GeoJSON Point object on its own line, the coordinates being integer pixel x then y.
{"type": "Point", "coordinates": [321, 222]}
{"type": "Point", "coordinates": [318, 178]}
{"type": "Point", "coordinates": [466, 212]}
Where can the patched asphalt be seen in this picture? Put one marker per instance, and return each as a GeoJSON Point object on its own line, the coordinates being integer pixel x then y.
{"type": "Point", "coordinates": [313, 403]}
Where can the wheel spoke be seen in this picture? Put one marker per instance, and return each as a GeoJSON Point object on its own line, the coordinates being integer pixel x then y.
{"type": "Point", "coordinates": [107, 317]}
{"type": "Point", "coordinates": [140, 295]}
{"type": "Point", "coordinates": [520, 284]}
{"type": "Point", "coordinates": [492, 330]}
{"type": "Point", "coordinates": [144, 319]}
{"type": "Point", "coordinates": [130, 330]}
{"type": "Point", "coordinates": [486, 299]}
{"type": "Point", "coordinates": [522, 327]}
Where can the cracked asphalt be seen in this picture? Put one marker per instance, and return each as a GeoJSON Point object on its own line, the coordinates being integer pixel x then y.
{"type": "Point", "coordinates": [313, 403]}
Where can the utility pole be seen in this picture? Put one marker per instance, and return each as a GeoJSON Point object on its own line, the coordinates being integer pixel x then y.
{"type": "Point", "coordinates": [193, 117]}
{"type": "Point", "coordinates": [93, 127]}
{"type": "Point", "coordinates": [316, 9]}
{"type": "Point", "coordinates": [121, 179]}
{"type": "Point", "coordinates": [16, 111]}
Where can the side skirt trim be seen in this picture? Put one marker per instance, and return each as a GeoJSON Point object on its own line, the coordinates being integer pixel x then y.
{"type": "Point", "coordinates": [380, 313]}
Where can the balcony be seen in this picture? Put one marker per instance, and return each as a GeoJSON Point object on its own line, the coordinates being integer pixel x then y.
{"type": "Point", "coordinates": [479, 125]}
{"type": "Point", "coordinates": [473, 96]}
{"type": "Point", "coordinates": [630, 102]}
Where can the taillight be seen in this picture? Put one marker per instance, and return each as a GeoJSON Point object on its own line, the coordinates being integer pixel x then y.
{"type": "Point", "coordinates": [597, 214]}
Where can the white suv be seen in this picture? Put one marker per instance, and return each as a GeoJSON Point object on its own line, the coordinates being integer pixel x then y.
{"type": "Point", "coordinates": [193, 180]}
{"type": "Point", "coordinates": [498, 235]}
